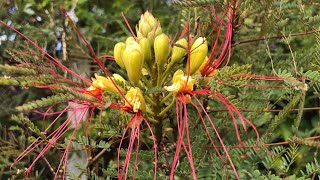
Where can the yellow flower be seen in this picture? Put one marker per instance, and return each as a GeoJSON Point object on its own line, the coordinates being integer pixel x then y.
{"type": "Point", "coordinates": [179, 83]}
{"type": "Point", "coordinates": [136, 100]}
{"type": "Point", "coordinates": [105, 84]}
{"type": "Point", "coordinates": [100, 82]}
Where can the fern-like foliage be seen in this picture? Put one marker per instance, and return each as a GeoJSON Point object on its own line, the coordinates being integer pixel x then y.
{"type": "Point", "coordinates": [43, 102]}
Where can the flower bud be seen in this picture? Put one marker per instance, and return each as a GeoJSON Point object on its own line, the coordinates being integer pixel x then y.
{"type": "Point", "coordinates": [135, 98]}
{"type": "Point", "coordinates": [161, 50]}
{"type": "Point", "coordinates": [203, 65]}
{"type": "Point", "coordinates": [133, 61]}
{"type": "Point", "coordinates": [129, 39]}
{"type": "Point", "coordinates": [118, 50]}
{"type": "Point", "coordinates": [146, 50]}
{"type": "Point", "coordinates": [148, 27]}
{"type": "Point", "coordinates": [178, 51]}
{"type": "Point", "coordinates": [119, 78]}
{"type": "Point", "coordinates": [199, 50]}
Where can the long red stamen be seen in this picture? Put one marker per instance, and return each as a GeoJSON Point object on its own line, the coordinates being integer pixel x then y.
{"type": "Point", "coordinates": [208, 133]}
{"type": "Point", "coordinates": [155, 149]}
{"type": "Point", "coordinates": [134, 130]}
{"type": "Point", "coordinates": [128, 25]}
{"type": "Point", "coordinates": [218, 136]}
{"type": "Point", "coordinates": [188, 137]}
{"type": "Point", "coordinates": [180, 135]}
{"type": "Point", "coordinates": [64, 157]}
{"type": "Point", "coordinates": [47, 54]}
{"type": "Point", "coordinates": [98, 61]}
{"type": "Point", "coordinates": [119, 149]}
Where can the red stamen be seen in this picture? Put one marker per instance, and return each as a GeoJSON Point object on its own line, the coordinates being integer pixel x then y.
{"type": "Point", "coordinates": [218, 136]}
{"type": "Point", "coordinates": [128, 25]}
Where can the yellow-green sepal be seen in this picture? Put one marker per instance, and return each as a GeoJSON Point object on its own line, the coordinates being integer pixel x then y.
{"type": "Point", "coordinates": [199, 50]}
{"type": "Point", "coordinates": [118, 50]}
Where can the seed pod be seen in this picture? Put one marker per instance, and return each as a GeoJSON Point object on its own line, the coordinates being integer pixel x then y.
{"type": "Point", "coordinates": [133, 61]}
{"type": "Point", "coordinates": [118, 50]}
{"type": "Point", "coordinates": [146, 50]}
{"type": "Point", "coordinates": [199, 50]}
{"type": "Point", "coordinates": [161, 50]}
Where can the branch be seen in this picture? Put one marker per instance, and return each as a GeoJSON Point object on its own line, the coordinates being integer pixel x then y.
{"type": "Point", "coordinates": [266, 110]}
{"type": "Point", "coordinates": [274, 37]}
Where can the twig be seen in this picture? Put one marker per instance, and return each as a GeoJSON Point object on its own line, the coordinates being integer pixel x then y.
{"type": "Point", "coordinates": [267, 144]}
{"type": "Point", "coordinates": [97, 157]}
{"type": "Point", "coordinates": [49, 165]}
{"type": "Point", "coordinates": [300, 112]}
{"type": "Point", "coordinates": [266, 110]}
{"type": "Point", "coordinates": [274, 37]}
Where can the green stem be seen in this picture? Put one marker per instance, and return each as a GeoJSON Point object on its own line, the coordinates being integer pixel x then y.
{"type": "Point", "coordinates": [149, 100]}
{"type": "Point", "coordinates": [165, 98]}
{"type": "Point", "coordinates": [159, 77]}
{"type": "Point", "coordinates": [150, 112]}
{"type": "Point", "coordinates": [164, 77]}
{"type": "Point", "coordinates": [146, 81]}
{"type": "Point", "coordinates": [167, 108]}
{"type": "Point", "coordinates": [300, 112]}
{"type": "Point", "coordinates": [152, 120]}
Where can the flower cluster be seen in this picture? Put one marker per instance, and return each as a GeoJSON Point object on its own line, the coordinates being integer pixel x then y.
{"type": "Point", "coordinates": [159, 75]}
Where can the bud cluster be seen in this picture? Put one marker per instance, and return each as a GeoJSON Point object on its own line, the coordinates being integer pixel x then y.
{"type": "Point", "coordinates": [149, 60]}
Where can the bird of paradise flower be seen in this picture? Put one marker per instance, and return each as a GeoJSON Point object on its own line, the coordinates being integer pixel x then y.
{"type": "Point", "coordinates": [150, 49]}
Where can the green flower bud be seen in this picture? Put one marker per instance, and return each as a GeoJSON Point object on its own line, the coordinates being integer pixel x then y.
{"type": "Point", "coordinates": [118, 50]}
{"type": "Point", "coordinates": [129, 39]}
{"type": "Point", "coordinates": [178, 51]}
{"type": "Point", "coordinates": [148, 27]}
{"type": "Point", "coordinates": [161, 50]}
{"type": "Point", "coordinates": [133, 61]}
{"type": "Point", "coordinates": [146, 49]}
{"type": "Point", "coordinates": [199, 50]}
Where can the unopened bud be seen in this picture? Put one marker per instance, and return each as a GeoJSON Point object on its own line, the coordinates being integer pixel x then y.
{"type": "Point", "coordinates": [146, 49]}
{"type": "Point", "coordinates": [129, 39]}
{"type": "Point", "coordinates": [118, 50]}
{"type": "Point", "coordinates": [148, 27]}
{"type": "Point", "coordinates": [179, 50]}
{"type": "Point", "coordinates": [199, 50]}
{"type": "Point", "coordinates": [133, 61]}
{"type": "Point", "coordinates": [119, 78]}
{"type": "Point", "coordinates": [161, 50]}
